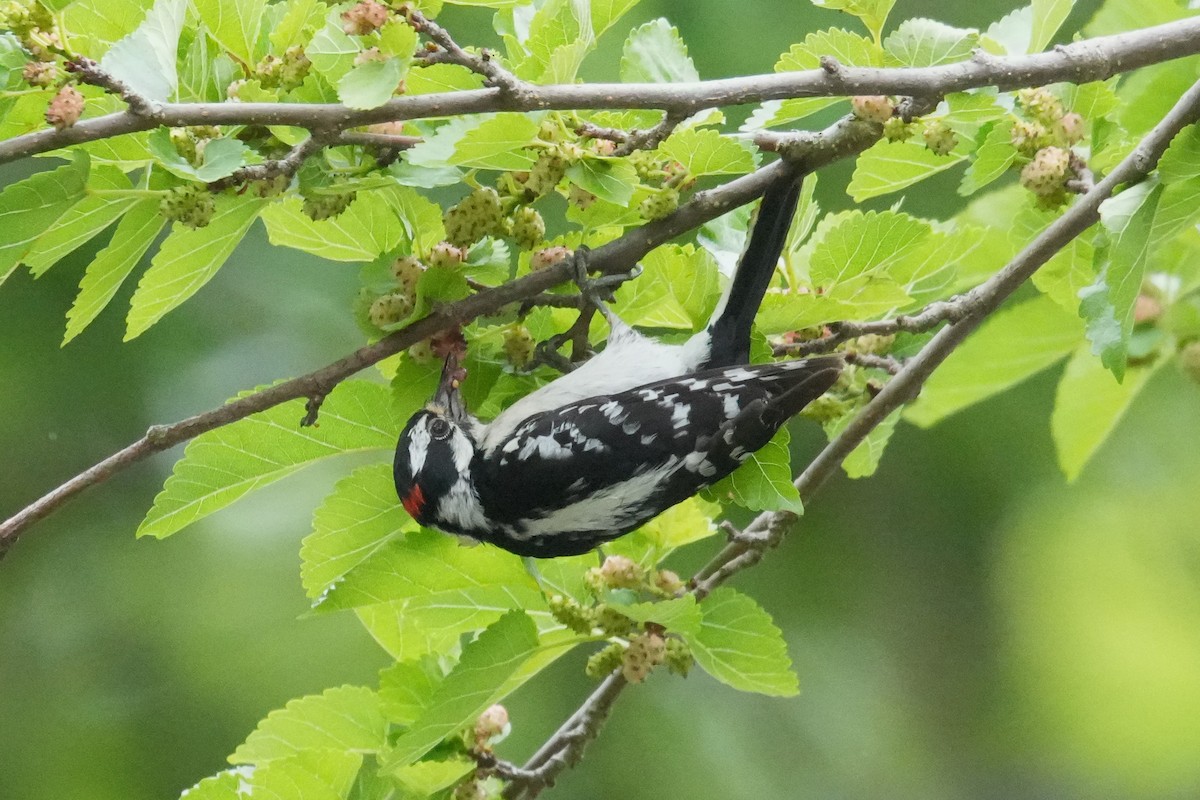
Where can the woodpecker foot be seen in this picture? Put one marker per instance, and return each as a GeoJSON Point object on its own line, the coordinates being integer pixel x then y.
{"type": "Point", "coordinates": [598, 291]}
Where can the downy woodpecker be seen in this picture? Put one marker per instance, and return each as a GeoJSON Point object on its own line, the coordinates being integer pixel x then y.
{"type": "Point", "coordinates": [601, 450]}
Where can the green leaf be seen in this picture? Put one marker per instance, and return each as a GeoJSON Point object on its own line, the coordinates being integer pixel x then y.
{"type": "Point", "coordinates": [928, 43]}
{"type": "Point", "coordinates": [864, 459]}
{"type": "Point", "coordinates": [441, 78]}
{"type": "Point", "coordinates": [127, 153]}
{"type": "Point", "coordinates": [301, 17]}
{"type": "Point", "coordinates": [682, 523]}
{"type": "Point", "coordinates": [222, 786]}
{"type": "Point", "coordinates": [112, 265]}
{"type": "Point", "coordinates": [331, 49]}
{"type": "Point", "coordinates": [1012, 345]}
{"type": "Point", "coordinates": [679, 614]}
{"type": "Point", "coordinates": [434, 623]}
{"type": "Point", "coordinates": [485, 668]}
{"type": "Point", "coordinates": [29, 207]}
{"type": "Point", "coordinates": [235, 24]}
{"type": "Point", "coordinates": [969, 112]}
{"type": "Point", "coordinates": [677, 289]}
{"type": "Point", "coordinates": [1178, 209]}
{"type": "Point", "coordinates": [1107, 304]}
{"type": "Point", "coordinates": [498, 143]}
{"type": "Point", "coordinates": [1048, 17]}
{"type": "Point", "coordinates": [852, 243]}
{"type": "Point", "coordinates": [947, 258]}
{"type": "Point", "coordinates": [225, 464]}
{"type": "Point", "coordinates": [1011, 33]}
{"type": "Point", "coordinates": [487, 4]}
{"type": "Point", "coordinates": [346, 718]}
{"type": "Point", "coordinates": [311, 775]}
{"type": "Point", "coordinates": [1148, 94]}
{"type": "Point", "coordinates": [188, 259]}
{"type": "Point", "coordinates": [198, 81]}
{"type": "Point", "coordinates": [406, 687]}
{"type": "Point", "coordinates": [96, 24]}
{"type": "Point", "coordinates": [145, 59]}
{"type": "Point", "coordinates": [222, 157]}
{"type": "Point", "coordinates": [703, 151]}
{"type": "Point", "coordinates": [873, 13]}
{"type": "Point", "coordinates": [1088, 405]}
{"type": "Point", "coordinates": [427, 563]}
{"type": "Point", "coordinates": [605, 13]}
{"type": "Point", "coordinates": [655, 53]}
{"type": "Point", "coordinates": [887, 167]}
{"type": "Point", "coordinates": [427, 778]}
{"type": "Point", "coordinates": [848, 48]}
{"type": "Point", "coordinates": [740, 646]}
{"type": "Point", "coordinates": [1181, 162]}
{"type": "Point", "coordinates": [12, 61]}
{"type": "Point", "coordinates": [610, 179]}
{"type": "Point", "coordinates": [370, 84]}
{"type": "Point", "coordinates": [1067, 273]}
{"type": "Point", "coordinates": [561, 33]}
{"type": "Point", "coordinates": [763, 482]}
{"type": "Point", "coordinates": [1093, 100]}
{"type": "Point", "coordinates": [991, 160]}
{"type": "Point", "coordinates": [360, 233]}
{"type": "Point", "coordinates": [82, 221]}
{"type": "Point", "coordinates": [351, 525]}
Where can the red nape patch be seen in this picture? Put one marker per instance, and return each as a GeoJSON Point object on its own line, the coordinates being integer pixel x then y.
{"type": "Point", "coordinates": [414, 502]}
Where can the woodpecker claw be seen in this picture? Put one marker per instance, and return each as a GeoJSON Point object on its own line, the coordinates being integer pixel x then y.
{"type": "Point", "coordinates": [599, 291]}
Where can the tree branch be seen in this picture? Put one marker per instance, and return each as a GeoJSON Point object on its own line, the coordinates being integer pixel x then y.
{"type": "Point", "coordinates": [970, 310]}
{"type": "Point", "coordinates": [1080, 62]}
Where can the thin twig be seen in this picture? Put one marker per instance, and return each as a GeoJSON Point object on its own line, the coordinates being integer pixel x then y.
{"type": "Point", "coordinates": [593, 131]}
{"type": "Point", "coordinates": [285, 167]}
{"type": "Point", "coordinates": [927, 319]}
{"type": "Point", "coordinates": [1079, 62]}
{"type": "Point", "coordinates": [888, 364]}
{"type": "Point", "coordinates": [381, 141]}
{"type": "Point", "coordinates": [450, 52]}
{"type": "Point", "coordinates": [565, 747]}
{"type": "Point", "coordinates": [651, 137]}
{"type": "Point", "coordinates": [92, 73]}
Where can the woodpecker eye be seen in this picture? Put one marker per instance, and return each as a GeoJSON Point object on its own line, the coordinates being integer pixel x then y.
{"type": "Point", "coordinates": [439, 428]}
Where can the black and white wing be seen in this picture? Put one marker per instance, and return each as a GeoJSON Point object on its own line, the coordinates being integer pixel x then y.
{"type": "Point", "coordinates": [568, 479]}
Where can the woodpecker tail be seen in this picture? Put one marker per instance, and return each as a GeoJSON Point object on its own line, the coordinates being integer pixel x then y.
{"type": "Point", "coordinates": [730, 327]}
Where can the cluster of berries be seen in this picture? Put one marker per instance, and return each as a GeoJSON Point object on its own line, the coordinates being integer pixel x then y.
{"type": "Point", "coordinates": [284, 72]}
{"type": "Point", "coordinates": [639, 648]}
{"type": "Point", "coordinates": [1044, 134]}
{"type": "Point", "coordinates": [35, 28]}
{"type": "Point", "coordinates": [389, 309]}
{"type": "Point", "coordinates": [190, 204]}
{"type": "Point", "coordinates": [880, 109]}
{"type": "Point", "coordinates": [483, 213]}
{"type": "Point", "coordinates": [322, 206]}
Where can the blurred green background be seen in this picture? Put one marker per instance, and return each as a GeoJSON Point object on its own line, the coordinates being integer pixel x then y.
{"type": "Point", "coordinates": [965, 624]}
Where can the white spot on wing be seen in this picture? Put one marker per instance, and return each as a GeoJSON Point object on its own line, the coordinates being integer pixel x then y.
{"type": "Point", "coordinates": [679, 414]}
{"type": "Point", "coordinates": [731, 406]}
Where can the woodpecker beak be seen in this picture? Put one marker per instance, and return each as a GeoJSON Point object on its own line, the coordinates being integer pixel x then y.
{"type": "Point", "coordinates": [448, 399]}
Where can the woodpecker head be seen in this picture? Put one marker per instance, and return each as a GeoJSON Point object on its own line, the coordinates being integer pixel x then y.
{"type": "Point", "coordinates": [433, 456]}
